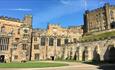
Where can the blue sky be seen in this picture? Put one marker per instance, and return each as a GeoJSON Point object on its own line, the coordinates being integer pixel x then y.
{"type": "Point", "coordinates": [63, 12]}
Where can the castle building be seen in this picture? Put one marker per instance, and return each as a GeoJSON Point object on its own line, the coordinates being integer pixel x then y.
{"type": "Point", "coordinates": [20, 42]}
{"type": "Point", "coordinates": [99, 19]}
{"type": "Point", "coordinates": [48, 44]}
{"type": "Point", "coordinates": [15, 38]}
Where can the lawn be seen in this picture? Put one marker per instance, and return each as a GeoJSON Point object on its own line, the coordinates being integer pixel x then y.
{"type": "Point", "coordinates": [31, 65]}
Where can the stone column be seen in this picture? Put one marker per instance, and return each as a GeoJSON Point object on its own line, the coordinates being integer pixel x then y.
{"type": "Point", "coordinates": [90, 53]}
{"type": "Point", "coordinates": [80, 53]}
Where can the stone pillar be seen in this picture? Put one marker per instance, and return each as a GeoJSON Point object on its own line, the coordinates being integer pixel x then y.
{"type": "Point", "coordinates": [90, 55]}
{"type": "Point", "coordinates": [80, 53]}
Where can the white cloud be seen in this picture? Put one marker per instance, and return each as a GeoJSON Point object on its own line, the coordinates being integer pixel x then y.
{"type": "Point", "coordinates": [18, 9]}
{"type": "Point", "coordinates": [21, 9]}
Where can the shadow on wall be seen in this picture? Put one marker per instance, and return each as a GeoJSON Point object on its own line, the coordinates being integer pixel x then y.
{"type": "Point", "coordinates": [109, 55]}
{"type": "Point", "coordinates": [96, 56]}
{"type": "Point", "coordinates": [85, 54]}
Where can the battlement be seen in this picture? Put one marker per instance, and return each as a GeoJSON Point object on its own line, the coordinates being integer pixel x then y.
{"type": "Point", "coordinates": [75, 27]}
{"type": "Point", "coordinates": [10, 19]}
{"type": "Point", "coordinates": [99, 9]}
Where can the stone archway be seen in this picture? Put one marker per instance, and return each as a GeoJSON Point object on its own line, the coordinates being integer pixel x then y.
{"type": "Point", "coordinates": [112, 54]}
{"type": "Point", "coordinates": [112, 25]}
{"type": "Point", "coordinates": [96, 55]}
{"type": "Point", "coordinates": [2, 58]}
{"type": "Point", "coordinates": [76, 55]}
{"type": "Point", "coordinates": [85, 54]}
{"type": "Point", "coordinates": [109, 55]}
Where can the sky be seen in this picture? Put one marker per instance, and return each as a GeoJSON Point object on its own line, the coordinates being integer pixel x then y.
{"type": "Point", "coordinates": [44, 12]}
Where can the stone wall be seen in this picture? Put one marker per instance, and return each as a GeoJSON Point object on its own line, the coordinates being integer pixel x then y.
{"type": "Point", "coordinates": [97, 50]}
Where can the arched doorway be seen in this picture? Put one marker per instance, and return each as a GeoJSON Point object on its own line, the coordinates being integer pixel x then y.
{"type": "Point", "coordinates": [112, 25]}
{"type": "Point", "coordinates": [96, 56]}
{"type": "Point", "coordinates": [76, 56]}
{"type": "Point", "coordinates": [112, 54]}
{"type": "Point", "coordinates": [2, 58]}
{"type": "Point", "coordinates": [85, 54]}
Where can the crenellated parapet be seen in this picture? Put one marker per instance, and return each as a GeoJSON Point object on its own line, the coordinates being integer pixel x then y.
{"type": "Point", "coordinates": [10, 19]}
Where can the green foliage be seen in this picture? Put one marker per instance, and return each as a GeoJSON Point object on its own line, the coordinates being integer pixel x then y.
{"type": "Point", "coordinates": [97, 37]}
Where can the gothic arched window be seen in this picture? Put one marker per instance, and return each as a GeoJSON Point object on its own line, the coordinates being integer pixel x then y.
{"type": "Point", "coordinates": [51, 41]}
{"type": "Point", "coordinates": [58, 42]}
{"type": "Point", "coordinates": [43, 41]}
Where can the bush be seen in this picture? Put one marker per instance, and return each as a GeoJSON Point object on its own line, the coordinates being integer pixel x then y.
{"type": "Point", "coordinates": [23, 61]}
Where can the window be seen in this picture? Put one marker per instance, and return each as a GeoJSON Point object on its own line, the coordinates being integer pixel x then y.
{"type": "Point", "coordinates": [74, 40]}
{"type": "Point", "coordinates": [36, 46]}
{"type": "Point", "coordinates": [15, 56]}
{"type": "Point", "coordinates": [16, 39]}
{"type": "Point", "coordinates": [4, 43]}
{"type": "Point", "coordinates": [36, 56]}
{"type": "Point", "coordinates": [66, 41]}
{"type": "Point", "coordinates": [24, 47]}
{"type": "Point", "coordinates": [18, 31]}
{"type": "Point", "coordinates": [35, 38]}
{"type": "Point", "coordinates": [58, 42]}
{"type": "Point", "coordinates": [15, 46]}
{"type": "Point", "coordinates": [51, 41]}
{"type": "Point", "coordinates": [25, 35]}
{"type": "Point", "coordinates": [25, 31]}
{"type": "Point", "coordinates": [43, 41]}
{"type": "Point", "coordinates": [3, 29]}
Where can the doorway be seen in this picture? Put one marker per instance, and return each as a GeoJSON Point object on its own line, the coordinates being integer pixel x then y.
{"type": "Point", "coordinates": [112, 25]}
{"type": "Point", "coordinates": [37, 56]}
{"type": "Point", "coordinates": [2, 58]}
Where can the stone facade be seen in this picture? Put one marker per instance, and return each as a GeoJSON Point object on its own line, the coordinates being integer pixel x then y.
{"type": "Point", "coordinates": [20, 42]}
{"type": "Point", "coordinates": [15, 38]}
{"type": "Point", "coordinates": [99, 19]}
{"type": "Point", "coordinates": [87, 51]}
{"type": "Point", "coordinates": [47, 44]}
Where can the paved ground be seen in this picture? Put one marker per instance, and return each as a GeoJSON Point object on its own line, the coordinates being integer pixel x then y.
{"type": "Point", "coordinates": [72, 66]}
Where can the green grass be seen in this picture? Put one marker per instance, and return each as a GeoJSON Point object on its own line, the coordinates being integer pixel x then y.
{"type": "Point", "coordinates": [31, 65]}
{"type": "Point", "coordinates": [97, 37]}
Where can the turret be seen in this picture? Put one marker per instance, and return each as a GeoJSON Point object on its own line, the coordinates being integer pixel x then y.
{"type": "Point", "coordinates": [28, 20]}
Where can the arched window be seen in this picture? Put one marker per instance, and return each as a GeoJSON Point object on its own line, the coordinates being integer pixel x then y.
{"type": "Point", "coordinates": [3, 29]}
{"type": "Point", "coordinates": [58, 42]}
{"type": "Point", "coordinates": [51, 41]}
{"type": "Point", "coordinates": [43, 41]}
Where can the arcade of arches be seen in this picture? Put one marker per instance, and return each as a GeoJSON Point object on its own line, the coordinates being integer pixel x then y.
{"type": "Point", "coordinates": [96, 51]}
